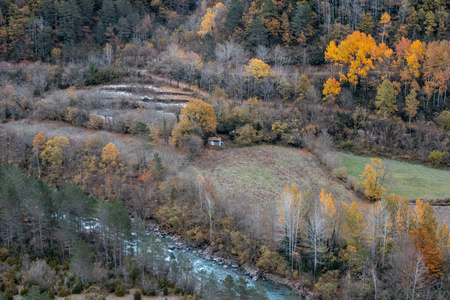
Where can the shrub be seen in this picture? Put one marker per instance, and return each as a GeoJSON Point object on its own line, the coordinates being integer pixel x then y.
{"type": "Point", "coordinates": [177, 291]}
{"type": "Point", "coordinates": [444, 119]}
{"type": "Point", "coordinates": [95, 122]}
{"type": "Point", "coordinates": [94, 292]}
{"type": "Point", "coordinates": [137, 295]}
{"type": "Point", "coordinates": [51, 293]}
{"type": "Point", "coordinates": [166, 291]}
{"type": "Point", "coordinates": [120, 290]}
{"type": "Point", "coordinates": [64, 292]}
{"type": "Point", "coordinates": [23, 291]}
{"type": "Point", "coordinates": [327, 285]}
{"type": "Point", "coordinates": [436, 157]}
{"type": "Point", "coordinates": [353, 184]}
{"type": "Point", "coordinates": [271, 262]}
{"type": "Point", "coordinates": [346, 145]}
{"type": "Point", "coordinates": [163, 283]}
{"type": "Point", "coordinates": [246, 134]}
{"type": "Point", "coordinates": [77, 287]}
{"type": "Point", "coordinates": [340, 173]}
{"type": "Point", "coordinates": [11, 290]}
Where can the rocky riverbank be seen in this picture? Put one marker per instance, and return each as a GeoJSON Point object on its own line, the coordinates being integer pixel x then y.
{"type": "Point", "coordinates": [176, 243]}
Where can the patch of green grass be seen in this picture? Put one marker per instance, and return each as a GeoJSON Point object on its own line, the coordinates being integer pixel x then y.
{"type": "Point", "coordinates": [406, 179]}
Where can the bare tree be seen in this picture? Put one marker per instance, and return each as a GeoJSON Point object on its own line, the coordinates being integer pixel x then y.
{"type": "Point", "coordinates": [108, 53]}
{"type": "Point", "coordinates": [42, 274]}
{"type": "Point", "coordinates": [264, 54]}
{"type": "Point", "coordinates": [317, 233]}
{"type": "Point", "coordinates": [232, 55]}
{"type": "Point", "coordinates": [291, 213]}
{"type": "Point", "coordinates": [280, 58]}
{"type": "Point", "coordinates": [407, 269]}
{"type": "Point", "coordinates": [206, 194]}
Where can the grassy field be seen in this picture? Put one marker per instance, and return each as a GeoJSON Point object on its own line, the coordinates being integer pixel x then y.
{"type": "Point", "coordinates": [406, 179]}
{"type": "Point", "coordinates": [263, 171]}
{"type": "Point", "coordinates": [244, 177]}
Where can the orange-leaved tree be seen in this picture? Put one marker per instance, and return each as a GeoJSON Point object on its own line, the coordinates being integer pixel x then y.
{"type": "Point", "coordinates": [409, 58]}
{"type": "Point", "coordinates": [424, 234]}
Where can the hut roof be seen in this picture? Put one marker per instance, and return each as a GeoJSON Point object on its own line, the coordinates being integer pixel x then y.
{"type": "Point", "coordinates": [106, 112]}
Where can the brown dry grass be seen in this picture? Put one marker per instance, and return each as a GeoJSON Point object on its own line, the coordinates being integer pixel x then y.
{"type": "Point", "coordinates": [263, 171]}
{"type": "Point", "coordinates": [244, 176]}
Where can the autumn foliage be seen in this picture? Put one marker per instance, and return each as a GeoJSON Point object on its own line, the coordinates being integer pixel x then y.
{"type": "Point", "coordinates": [424, 232]}
{"type": "Point", "coordinates": [258, 69]}
{"type": "Point", "coordinates": [196, 118]}
{"type": "Point", "coordinates": [331, 89]}
{"type": "Point", "coordinates": [359, 53]}
{"type": "Point", "coordinates": [373, 179]}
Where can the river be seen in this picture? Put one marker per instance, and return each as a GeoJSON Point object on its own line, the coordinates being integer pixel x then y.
{"type": "Point", "coordinates": [199, 267]}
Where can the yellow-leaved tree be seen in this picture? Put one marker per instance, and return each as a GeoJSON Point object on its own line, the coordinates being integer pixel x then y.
{"type": "Point", "coordinates": [113, 170]}
{"type": "Point", "coordinates": [357, 52]}
{"type": "Point", "coordinates": [353, 224]}
{"type": "Point", "coordinates": [110, 156]}
{"type": "Point", "coordinates": [331, 88]}
{"type": "Point", "coordinates": [385, 21]}
{"type": "Point", "coordinates": [329, 214]}
{"type": "Point", "coordinates": [208, 24]}
{"type": "Point", "coordinates": [53, 156]}
{"type": "Point", "coordinates": [258, 69]}
{"type": "Point", "coordinates": [373, 179]}
{"type": "Point", "coordinates": [196, 118]}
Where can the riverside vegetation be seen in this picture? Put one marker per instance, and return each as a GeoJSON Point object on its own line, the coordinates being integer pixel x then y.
{"type": "Point", "coordinates": [317, 75]}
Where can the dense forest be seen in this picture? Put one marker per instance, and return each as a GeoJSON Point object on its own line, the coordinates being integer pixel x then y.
{"type": "Point", "coordinates": [369, 77]}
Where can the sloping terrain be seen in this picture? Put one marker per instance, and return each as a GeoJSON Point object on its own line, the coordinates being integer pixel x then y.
{"type": "Point", "coordinates": [244, 177]}
{"type": "Point", "coordinates": [406, 179]}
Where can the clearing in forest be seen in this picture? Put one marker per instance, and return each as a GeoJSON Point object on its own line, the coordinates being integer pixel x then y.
{"type": "Point", "coordinates": [405, 179]}
{"type": "Point", "coordinates": [242, 176]}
